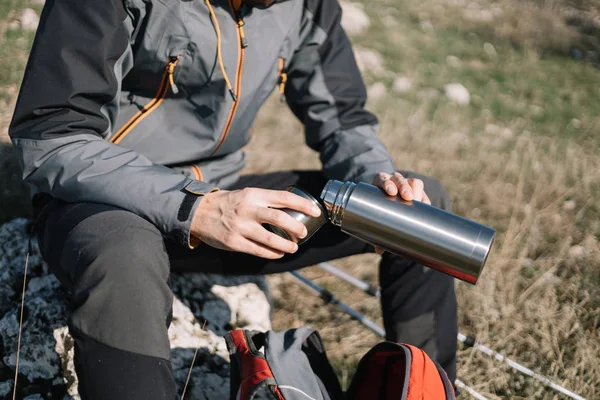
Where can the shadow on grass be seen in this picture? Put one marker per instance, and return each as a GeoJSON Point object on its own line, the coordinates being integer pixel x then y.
{"type": "Point", "coordinates": [14, 194]}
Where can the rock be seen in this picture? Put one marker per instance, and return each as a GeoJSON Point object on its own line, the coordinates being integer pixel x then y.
{"type": "Point", "coordinates": [492, 129]}
{"type": "Point", "coordinates": [453, 61]}
{"type": "Point", "coordinates": [426, 26]}
{"type": "Point", "coordinates": [577, 252]}
{"type": "Point", "coordinates": [536, 110]}
{"type": "Point", "coordinates": [354, 19]}
{"type": "Point", "coordinates": [369, 61]}
{"type": "Point", "coordinates": [490, 50]}
{"type": "Point", "coordinates": [377, 91]}
{"type": "Point", "coordinates": [29, 20]}
{"type": "Point", "coordinates": [6, 388]}
{"type": "Point", "coordinates": [569, 205]}
{"type": "Point", "coordinates": [47, 348]}
{"type": "Point", "coordinates": [457, 93]}
{"type": "Point", "coordinates": [403, 84]}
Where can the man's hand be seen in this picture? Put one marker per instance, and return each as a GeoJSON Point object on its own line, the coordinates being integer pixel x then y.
{"type": "Point", "coordinates": [232, 220]}
{"type": "Point", "coordinates": [395, 184]}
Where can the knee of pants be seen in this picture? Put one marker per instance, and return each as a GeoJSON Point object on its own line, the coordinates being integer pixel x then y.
{"type": "Point", "coordinates": [120, 292]}
{"type": "Point", "coordinates": [435, 190]}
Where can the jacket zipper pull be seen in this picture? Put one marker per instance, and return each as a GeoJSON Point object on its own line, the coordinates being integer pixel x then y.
{"type": "Point", "coordinates": [243, 40]}
{"type": "Point", "coordinates": [172, 65]}
{"type": "Point", "coordinates": [282, 79]}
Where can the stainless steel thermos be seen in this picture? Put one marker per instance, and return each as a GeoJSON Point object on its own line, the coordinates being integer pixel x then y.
{"type": "Point", "coordinates": [433, 237]}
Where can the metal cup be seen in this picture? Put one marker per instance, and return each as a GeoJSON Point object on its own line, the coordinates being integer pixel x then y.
{"type": "Point", "coordinates": [312, 224]}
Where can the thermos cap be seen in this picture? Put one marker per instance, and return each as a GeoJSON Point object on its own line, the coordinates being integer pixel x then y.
{"type": "Point", "coordinates": [312, 224]}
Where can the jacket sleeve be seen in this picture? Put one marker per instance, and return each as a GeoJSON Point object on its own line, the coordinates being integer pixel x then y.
{"type": "Point", "coordinates": [326, 92]}
{"type": "Point", "coordinates": [67, 102]}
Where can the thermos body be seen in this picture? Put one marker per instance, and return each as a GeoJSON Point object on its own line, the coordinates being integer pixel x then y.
{"type": "Point", "coordinates": [433, 237]}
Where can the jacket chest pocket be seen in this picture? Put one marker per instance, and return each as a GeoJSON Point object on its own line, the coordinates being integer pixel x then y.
{"type": "Point", "coordinates": [167, 85]}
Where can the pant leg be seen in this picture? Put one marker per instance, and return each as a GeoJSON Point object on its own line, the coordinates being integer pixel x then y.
{"type": "Point", "coordinates": [418, 303]}
{"type": "Point", "coordinates": [116, 268]}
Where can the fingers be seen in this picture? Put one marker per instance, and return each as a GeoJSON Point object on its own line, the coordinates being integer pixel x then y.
{"type": "Point", "coordinates": [418, 188]}
{"type": "Point", "coordinates": [282, 220]}
{"type": "Point", "coordinates": [404, 187]}
{"type": "Point", "coordinates": [259, 235]}
{"type": "Point", "coordinates": [285, 199]}
{"type": "Point", "coordinates": [383, 181]}
{"type": "Point", "coordinates": [409, 189]}
{"type": "Point", "coordinates": [426, 199]}
{"type": "Point", "coordinates": [251, 247]}
{"type": "Point", "coordinates": [379, 250]}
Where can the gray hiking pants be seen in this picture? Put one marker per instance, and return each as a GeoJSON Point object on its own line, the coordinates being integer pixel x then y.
{"type": "Point", "coordinates": [116, 267]}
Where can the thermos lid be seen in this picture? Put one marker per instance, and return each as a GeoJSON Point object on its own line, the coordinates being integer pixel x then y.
{"type": "Point", "coordinates": [312, 224]}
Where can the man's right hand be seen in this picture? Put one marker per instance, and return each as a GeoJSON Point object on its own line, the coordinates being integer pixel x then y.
{"type": "Point", "coordinates": [232, 220]}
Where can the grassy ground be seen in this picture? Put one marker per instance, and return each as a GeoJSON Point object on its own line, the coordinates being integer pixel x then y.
{"type": "Point", "coordinates": [14, 48]}
{"type": "Point", "coordinates": [522, 157]}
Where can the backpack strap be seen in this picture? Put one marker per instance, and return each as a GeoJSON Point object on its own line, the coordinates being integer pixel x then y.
{"type": "Point", "coordinates": [249, 368]}
{"type": "Point", "coordinates": [315, 352]}
{"type": "Point", "coordinates": [298, 361]}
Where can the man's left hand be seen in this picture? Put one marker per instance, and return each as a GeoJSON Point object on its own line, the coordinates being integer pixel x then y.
{"type": "Point", "coordinates": [395, 184]}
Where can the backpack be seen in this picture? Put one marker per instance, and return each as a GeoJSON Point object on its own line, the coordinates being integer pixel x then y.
{"type": "Point", "coordinates": [292, 365]}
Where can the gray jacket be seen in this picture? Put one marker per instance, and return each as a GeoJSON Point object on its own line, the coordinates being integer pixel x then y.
{"type": "Point", "coordinates": [147, 104]}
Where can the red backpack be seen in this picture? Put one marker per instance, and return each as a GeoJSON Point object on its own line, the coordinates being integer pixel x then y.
{"type": "Point", "coordinates": [292, 365]}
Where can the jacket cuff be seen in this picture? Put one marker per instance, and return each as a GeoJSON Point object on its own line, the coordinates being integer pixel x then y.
{"type": "Point", "coordinates": [193, 193]}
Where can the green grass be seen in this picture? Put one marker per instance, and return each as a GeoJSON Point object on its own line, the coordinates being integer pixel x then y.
{"type": "Point", "coordinates": [14, 48]}
{"type": "Point", "coordinates": [549, 95]}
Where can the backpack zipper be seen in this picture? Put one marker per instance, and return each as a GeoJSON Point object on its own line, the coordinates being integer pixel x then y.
{"type": "Point", "coordinates": [167, 82]}
{"type": "Point", "coordinates": [238, 76]}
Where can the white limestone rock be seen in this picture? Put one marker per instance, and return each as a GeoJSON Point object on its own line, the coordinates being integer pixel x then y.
{"type": "Point", "coordinates": [403, 84]}
{"type": "Point", "coordinates": [457, 93]}
{"type": "Point", "coordinates": [369, 61]}
{"type": "Point", "coordinates": [376, 91]}
{"type": "Point", "coordinates": [354, 19]}
{"type": "Point", "coordinates": [29, 19]}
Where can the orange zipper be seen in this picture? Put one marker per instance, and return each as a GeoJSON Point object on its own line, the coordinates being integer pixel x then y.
{"type": "Point", "coordinates": [197, 172]}
{"type": "Point", "coordinates": [167, 81]}
{"type": "Point", "coordinates": [282, 78]}
{"type": "Point", "coordinates": [238, 76]}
